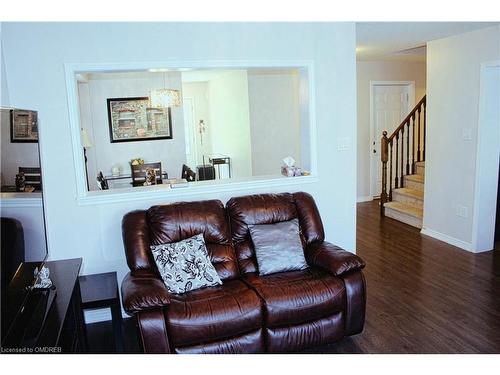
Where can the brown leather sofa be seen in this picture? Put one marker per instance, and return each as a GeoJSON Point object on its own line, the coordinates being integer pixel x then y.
{"type": "Point", "coordinates": [248, 313]}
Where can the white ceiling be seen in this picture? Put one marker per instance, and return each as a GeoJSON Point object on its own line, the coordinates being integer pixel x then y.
{"type": "Point", "coordinates": [405, 40]}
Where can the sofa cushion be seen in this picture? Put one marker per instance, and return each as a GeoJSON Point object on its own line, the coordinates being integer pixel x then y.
{"type": "Point", "coordinates": [214, 313]}
{"type": "Point", "coordinates": [268, 209]}
{"type": "Point", "coordinates": [185, 265]}
{"type": "Point", "coordinates": [298, 296]}
{"type": "Point", "coordinates": [178, 221]}
{"type": "Point", "coordinates": [252, 210]}
{"type": "Point", "coordinates": [278, 247]}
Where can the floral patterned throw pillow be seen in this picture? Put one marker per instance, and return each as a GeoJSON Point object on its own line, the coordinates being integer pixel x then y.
{"type": "Point", "coordinates": [185, 265]}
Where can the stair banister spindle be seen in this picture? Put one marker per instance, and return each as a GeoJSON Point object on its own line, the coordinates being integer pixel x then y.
{"type": "Point", "coordinates": [423, 143]}
{"type": "Point", "coordinates": [402, 155]}
{"type": "Point", "coordinates": [396, 180]}
{"type": "Point", "coordinates": [390, 172]}
{"type": "Point", "coordinates": [413, 146]}
{"type": "Point", "coordinates": [408, 147]}
{"type": "Point", "coordinates": [383, 155]}
{"type": "Point", "coordinates": [418, 135]}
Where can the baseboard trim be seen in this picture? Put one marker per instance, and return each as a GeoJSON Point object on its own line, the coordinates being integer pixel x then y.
{"type": "Point", "coordinates": [364, 199]}
{"type": "Point", "coordinates": [448, 239]}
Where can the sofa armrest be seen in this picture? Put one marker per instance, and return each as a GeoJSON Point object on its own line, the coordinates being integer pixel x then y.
{"type": "Point", "coordinates": [143, 292]}
{"type": "Point", "coordinates": [332, 258]}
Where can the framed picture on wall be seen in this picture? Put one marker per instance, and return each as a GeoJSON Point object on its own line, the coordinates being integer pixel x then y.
{"type": "Point", "coordinates": [131, 119]}
{"type": "Point", "coordinates": [23, 126]}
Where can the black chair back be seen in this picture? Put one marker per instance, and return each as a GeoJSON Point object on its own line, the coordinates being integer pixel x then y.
{"type": "Point", "coordinates": [206, 172]}
{"type": "Point", "coordinates": [188, 174]}
{"type": "Point", "coordinates": [12, 248]}
{"type": "Point", "coordinates": [101, 182]}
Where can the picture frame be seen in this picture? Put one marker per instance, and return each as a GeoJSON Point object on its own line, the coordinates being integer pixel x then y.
{"type": "Point", "coordinates": [23, 126]}
{"type": "Point", "coordinates": [132, 120]}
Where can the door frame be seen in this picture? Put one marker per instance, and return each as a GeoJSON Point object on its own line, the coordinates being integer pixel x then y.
{"type": "Point", "coordinates": [486, 173]}
{"type": "Point", "coordinates": [411, 104]}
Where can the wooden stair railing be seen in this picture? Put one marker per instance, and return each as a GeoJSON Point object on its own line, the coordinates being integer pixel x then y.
{"type": "Point", "coordinates": [404, 162]}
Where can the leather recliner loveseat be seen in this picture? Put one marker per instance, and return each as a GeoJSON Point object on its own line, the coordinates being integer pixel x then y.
{"type": "Point", "coordinates": [248, 313]}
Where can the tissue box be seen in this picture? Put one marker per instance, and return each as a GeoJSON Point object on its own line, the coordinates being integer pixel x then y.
{"type": "Point", "coordinates": [290, 171]}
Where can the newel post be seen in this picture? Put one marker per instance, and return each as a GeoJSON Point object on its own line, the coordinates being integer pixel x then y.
{"type": "Point", "coordinates": [384, 157]}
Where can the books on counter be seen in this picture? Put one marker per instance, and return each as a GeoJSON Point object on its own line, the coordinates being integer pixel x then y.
{"type": "Point", "coordinates": [178, 183]}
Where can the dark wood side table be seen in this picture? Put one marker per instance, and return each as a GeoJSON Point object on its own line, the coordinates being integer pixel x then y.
{"type": "Point", "coordinates": [101, 291]}
{"type": "Point", "coordinates": [63, 329]}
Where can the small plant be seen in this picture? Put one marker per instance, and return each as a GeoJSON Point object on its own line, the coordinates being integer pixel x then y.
{"type": "Point", "coordinates": [137, 161]}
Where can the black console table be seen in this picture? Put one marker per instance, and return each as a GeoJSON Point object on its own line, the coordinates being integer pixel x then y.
{"type": "Point", "coordinates": [63, 330]}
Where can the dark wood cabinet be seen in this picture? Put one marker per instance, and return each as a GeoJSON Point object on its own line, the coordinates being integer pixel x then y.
{"type": "Point", "coordinates": [62, 330]}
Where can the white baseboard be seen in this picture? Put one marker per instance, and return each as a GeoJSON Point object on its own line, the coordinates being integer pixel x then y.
{"type": "Point", "coordinates": [448, 239]}
{"type": "Point", "coordinates": [364, 199]}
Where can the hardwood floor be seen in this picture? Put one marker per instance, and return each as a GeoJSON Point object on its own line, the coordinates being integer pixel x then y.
{"type": "Point", "coordinates": [424, 296]}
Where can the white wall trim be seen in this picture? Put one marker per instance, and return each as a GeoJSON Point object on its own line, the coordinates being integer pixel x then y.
{"type": "Point", "coordinates": [194, 189]}
{"type": "Point", "coordinates": [484, 169]}
{"type": "Point", "coordinates": [84, 197]}
{"type": "Point", "coordinates": [411, 104]}
{"type": "Point", "coordinates": [35, 202]}
{"type": "Point", "coordinates": [364, 199]}
{"type": "Point", "coordinates": [448, 239]}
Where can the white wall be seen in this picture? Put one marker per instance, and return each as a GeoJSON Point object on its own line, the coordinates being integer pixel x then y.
{"type": "Point", "coordinates": [94, 115]}
{"type": "Point", "coordinates": [367, 71]}
{"type": "Point", "coordinates": [198, 91]}
{"type": "Point", "coordinates": [453, 76]}
{"type": "Point", "coordinates": [36, 80]}
{"type": "Point", "coordinates": [274, 119]}
{"type": "Point", "coordinates": [230, 120]}
{"type": "Point", "coordinates": [4, 89]}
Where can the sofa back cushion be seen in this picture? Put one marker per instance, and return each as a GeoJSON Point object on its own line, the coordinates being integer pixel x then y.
{"type": "Point", "coordinates": [175, 222]}
{"type": "Point", "coordinates": [135, 233]}
{"type": "Point", "coordinates": [270, 209]}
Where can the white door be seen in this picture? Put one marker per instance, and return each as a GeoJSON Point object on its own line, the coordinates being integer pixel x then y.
{"type": "Point", "coordinates": [391, 104]}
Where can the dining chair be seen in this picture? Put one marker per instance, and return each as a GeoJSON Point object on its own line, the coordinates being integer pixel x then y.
{"type": "Point", "coordinates": [188, 174]}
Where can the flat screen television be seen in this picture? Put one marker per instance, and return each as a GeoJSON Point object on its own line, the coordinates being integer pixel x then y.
{"type": "Point", "coordinates": [23, 231]}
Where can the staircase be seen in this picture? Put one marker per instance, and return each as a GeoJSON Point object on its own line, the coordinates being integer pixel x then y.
{"type": "Point", "coordinates": [403, 169]}
{"type": "Point", "coordinates": [407, 203]}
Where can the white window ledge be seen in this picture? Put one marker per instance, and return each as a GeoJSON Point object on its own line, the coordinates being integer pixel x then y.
{"type": "Point", "coordinates": [194, 188]}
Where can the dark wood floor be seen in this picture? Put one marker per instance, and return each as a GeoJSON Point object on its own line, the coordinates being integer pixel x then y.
{"type": "Point", "coordinates": [424, 296]}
